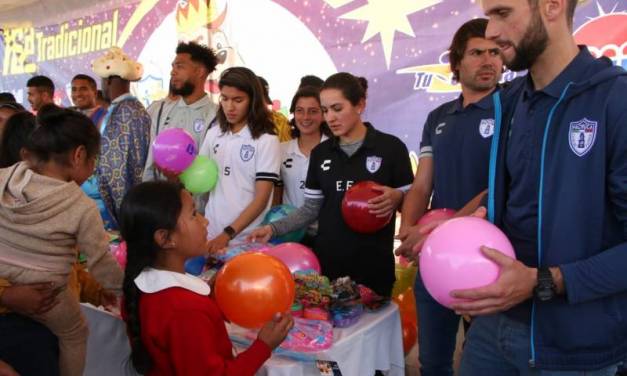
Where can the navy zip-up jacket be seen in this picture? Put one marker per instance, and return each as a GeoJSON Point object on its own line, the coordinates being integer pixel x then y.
{"type": "Point", "coordinates": [582, 218]}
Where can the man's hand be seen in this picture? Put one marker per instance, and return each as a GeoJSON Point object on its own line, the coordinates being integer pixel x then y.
{"type": "Point", "coordinates": [416, 236]}
{"type": "Point", "coordinates": [413, 236]}
{"type": "Point", "coordinates": [515, 284]}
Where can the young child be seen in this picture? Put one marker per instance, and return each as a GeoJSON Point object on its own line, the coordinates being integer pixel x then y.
{"type": "Point", "coordinates": [16, 133]}
{"type": "Point", "coordinates": [45, 217]}
{"type": "Point", "coordinates": [175, 328]}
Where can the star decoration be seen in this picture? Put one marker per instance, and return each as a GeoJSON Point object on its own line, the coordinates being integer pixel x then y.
{"type": "Point", "coordinates": [386, 17]}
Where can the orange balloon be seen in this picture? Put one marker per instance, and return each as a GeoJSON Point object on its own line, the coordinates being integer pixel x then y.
{"type": "Point", "coordinates": [407, 306]}
{"type": "Point", "coordinates": [252, 287]}
{"type": "Point", "coordinates": [410, 335]}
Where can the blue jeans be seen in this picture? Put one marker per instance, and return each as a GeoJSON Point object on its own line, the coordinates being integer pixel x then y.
{"type": "Point", "coordinates": [499, 346]}
{"type": "Point", "coordinates": [437, 333]}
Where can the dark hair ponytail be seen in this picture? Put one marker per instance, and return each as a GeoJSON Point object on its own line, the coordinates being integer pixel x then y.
{"type": "Point", "coordinates": [146, 208]}
{"type": "Point", "coordinates": [15, 136]}
{"type": "Point", "coordinates": [352, 88]}
{"type": "Point", "coordinates": [59, 131]}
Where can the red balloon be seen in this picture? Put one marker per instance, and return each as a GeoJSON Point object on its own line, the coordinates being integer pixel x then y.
{"type": "Point", "coordinates": [252, 287]}
{"type": "Point", "coordinates": [355, 208]}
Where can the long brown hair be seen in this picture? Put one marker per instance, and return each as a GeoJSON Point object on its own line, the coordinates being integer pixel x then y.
{"type": "Point", "coordinates": [259, 117]}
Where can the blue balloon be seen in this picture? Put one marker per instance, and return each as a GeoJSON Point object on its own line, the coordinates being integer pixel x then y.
{"type": "Point", "coordinates": [279, 212]}
{"type": "Point", "coordinates": [195, 265]}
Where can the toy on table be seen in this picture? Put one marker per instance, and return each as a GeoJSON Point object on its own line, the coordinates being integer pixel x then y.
{"type": "Point", "coordinates": [312, 290]}
{"type": "Point", "coordinates": [371, 300]}
{"type": "Point", "coordinates": [346, 306]}
{"type": "Point", "coordinates": [305, 337]}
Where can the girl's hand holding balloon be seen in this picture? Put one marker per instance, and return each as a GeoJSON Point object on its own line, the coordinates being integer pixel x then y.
{"type": "Point", "coordinates": [260, 234]}
{"type": "Point", "coordinates": [275, 331]}
{"type": "Point", "coordinates": [386, 203]}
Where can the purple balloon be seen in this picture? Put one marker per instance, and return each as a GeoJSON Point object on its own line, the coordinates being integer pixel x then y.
{"type": "Point", "coordinates": [451, 257]}
{"type": "Point", "coordinates": [295, 256]}
{"type": "Point", "coordinates": [174, 150]}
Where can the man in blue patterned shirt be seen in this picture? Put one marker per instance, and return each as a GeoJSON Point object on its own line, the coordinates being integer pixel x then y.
{"type": "Point", "coordinates": [125, 132]}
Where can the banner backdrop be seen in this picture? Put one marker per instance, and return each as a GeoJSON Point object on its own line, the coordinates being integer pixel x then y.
{"type": "Point", "coordinates": [400, 46]}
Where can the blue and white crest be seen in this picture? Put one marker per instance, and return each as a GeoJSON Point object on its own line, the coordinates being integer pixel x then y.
{"type": "Point", "coordinates": [486, 127]}
{"type": "Point", "coordinates": [247, 152]}
{"type": "Point", "coordinates": [581, 136]}
{"type": "Point", "coordinates": [373, 163]}
{"type": "Point", "coordinates": [199, 124]}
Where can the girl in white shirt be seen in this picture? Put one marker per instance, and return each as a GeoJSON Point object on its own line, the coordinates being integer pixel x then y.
{"type": "Point", "coordinates": [247, 151]}
{"type": "Point", "coordinates": [308, 130]}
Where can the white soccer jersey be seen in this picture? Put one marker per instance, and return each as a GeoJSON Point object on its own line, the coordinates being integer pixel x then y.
{"type": "Point", "coordinates": [242, 161]}
{"type": "Point", "coordinates": [294, 165]}
{"type": "Point", "coordinates": [194, 118]}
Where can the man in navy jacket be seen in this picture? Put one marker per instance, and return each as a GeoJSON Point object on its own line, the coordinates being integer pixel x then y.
{"type": "Point", "coordinates": [558, 189]}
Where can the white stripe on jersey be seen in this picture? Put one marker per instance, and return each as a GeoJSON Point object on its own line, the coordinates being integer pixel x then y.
{"type": "Point", "coordinates": [426, 151]}
{"type": "Point", "coordinates": [313, 193]}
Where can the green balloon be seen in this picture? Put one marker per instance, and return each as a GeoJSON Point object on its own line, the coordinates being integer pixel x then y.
{"type": "Point", "coordinates": [201, 176]}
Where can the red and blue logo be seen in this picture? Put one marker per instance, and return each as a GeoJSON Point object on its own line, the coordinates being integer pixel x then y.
{"type": "Point", "coordinates": [606, 35]}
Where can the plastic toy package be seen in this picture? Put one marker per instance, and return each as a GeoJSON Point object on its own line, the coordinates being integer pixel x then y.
{"type": "Point", "coordinates": [309, 336]}
{"type": "Point", "coordinates": [371, 300]}
{"type": "Point", "coordinates": [304, 340]}
{"type": "Point", "coordinates": [346, 306]}
{"type": "Point", "coordinates": [238, 249]}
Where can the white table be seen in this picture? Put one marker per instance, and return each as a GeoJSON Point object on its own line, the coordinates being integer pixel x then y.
{"type": "Point", "coordinates": [373, 343]}
{"type": "Point", "coordinates": [108, 349]}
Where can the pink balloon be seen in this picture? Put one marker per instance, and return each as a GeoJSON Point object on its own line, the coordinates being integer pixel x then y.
{"type": "Point", "coordinates": [296, 256]}
{"type": "Point", "coordinates": [174, 150]}
{"type": "Point", "coordinates": [435, 215]}
{"type": "Point", "coordinates": [120, 254]}
{"type": "Point", "coordinates": [451, 258]}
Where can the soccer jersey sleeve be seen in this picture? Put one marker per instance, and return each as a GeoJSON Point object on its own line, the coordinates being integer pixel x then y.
{"type": "Point", "coordinates": [268, 159]}
{"type": "Point", "coordinates": [426, 149]}
{"type": "Point", "coordinates": [205, 147]}
{"type": "Point", "coordinates": [313, 188]}
{"type": "Point", "coordinates": [403, 175]}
